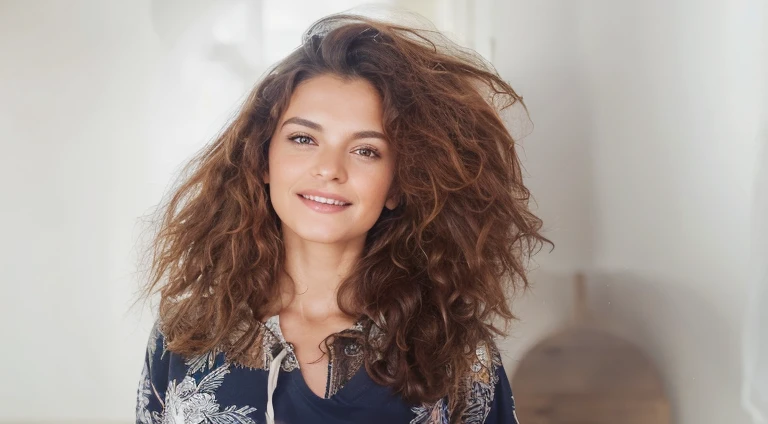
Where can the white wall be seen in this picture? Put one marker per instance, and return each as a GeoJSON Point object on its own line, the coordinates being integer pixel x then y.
{"type": "Point", "coordinates": [643, 161]}
{"type": "Point", "coordinates": [73, 90]}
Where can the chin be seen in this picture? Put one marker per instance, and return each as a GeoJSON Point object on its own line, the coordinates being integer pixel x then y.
{"type": "Point", "coordinates": [321, 235]}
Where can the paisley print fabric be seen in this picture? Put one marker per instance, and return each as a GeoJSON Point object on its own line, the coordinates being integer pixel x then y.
{"type": "Point", "coordinates": [210, 388]}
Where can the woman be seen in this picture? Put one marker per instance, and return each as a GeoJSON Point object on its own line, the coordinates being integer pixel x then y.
{"type": "Point", "coordinates": [338, 254]}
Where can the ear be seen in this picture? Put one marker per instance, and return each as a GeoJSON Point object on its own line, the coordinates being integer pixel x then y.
{"type": "Point", "coordinates": [265, 177]}
{"type": "Point", "coordinates": [393, 199]}
{"type": "Point", "coordinates": [392, 203]}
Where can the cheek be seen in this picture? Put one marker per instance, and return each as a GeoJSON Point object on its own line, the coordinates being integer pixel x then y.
{"type": "Point", "coordinates": [375, 186]}
{"type": "Point", "coordinates": [282, 168]}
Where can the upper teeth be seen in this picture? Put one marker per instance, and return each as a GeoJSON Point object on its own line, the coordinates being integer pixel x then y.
{"type": "Point", "coordinates": [323, 200]}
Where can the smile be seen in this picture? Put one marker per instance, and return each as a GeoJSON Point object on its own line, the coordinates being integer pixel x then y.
{"type": "Point", "coordinates": [319, 199]}
{"type": "Point", "coordinates": [323, 205]}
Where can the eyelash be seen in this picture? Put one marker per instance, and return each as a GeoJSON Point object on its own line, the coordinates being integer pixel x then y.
{"type": "Point", "coordinates": [374, 152]}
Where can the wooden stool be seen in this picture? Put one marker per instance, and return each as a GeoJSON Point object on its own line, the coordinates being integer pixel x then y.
{"type": "Point", "coordinates": [584, 375]}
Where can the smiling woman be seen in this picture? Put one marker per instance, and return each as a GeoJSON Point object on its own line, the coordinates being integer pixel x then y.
{"type": "Point", "coordinates": [330, 154]}
{"type": "Point", "coordinates": [343, 252]}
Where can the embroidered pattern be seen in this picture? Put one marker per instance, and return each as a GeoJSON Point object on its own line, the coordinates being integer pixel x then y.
{"type": "Point", "coordinates": [146, 389]}
{"type": "Point", "coordinates": [345, 357]}
{"type": "Point", "coordinates": [191, 396]}
{"type": "Point", "coordinates": [143, 416]}
{"type": "Point", "coordinates": [273, 342]}
{"type": "Point", "coordinates": [478, 392]}
{"type": "Point", "coordinates": [191, 403]}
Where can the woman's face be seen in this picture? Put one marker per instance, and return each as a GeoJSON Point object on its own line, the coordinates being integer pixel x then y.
{"type": "Point", "coordinates": [329, 147]}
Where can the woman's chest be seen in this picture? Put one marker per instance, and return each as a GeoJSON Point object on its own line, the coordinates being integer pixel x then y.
{"type": "Point", "coordinates": [327, 357]}
{"type": "Point", "coordinates": [232, 393]}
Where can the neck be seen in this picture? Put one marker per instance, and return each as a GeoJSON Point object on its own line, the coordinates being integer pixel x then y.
{"type": "Point", "coordinates": [312, 275]}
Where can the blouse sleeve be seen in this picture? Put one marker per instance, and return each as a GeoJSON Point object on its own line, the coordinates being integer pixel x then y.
{"type": "Point", "coordinates": [489, 395]}
{"type": "Point", "coordinates": [154, 380]}
{"type": "Point", "coordinates": [503, 403]}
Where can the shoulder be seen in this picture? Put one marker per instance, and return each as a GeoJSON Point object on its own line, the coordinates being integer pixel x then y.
{"type": "Point", "coordinates": [260, 342]}
{"type": "Point", "coordinates": [481, 383]}
{"type": "Point", "coordinates": [156, 345]}
{"type": "Point", "coordinates": [477, 394]}
{"type": "Point", "coordinates": [486, 361]}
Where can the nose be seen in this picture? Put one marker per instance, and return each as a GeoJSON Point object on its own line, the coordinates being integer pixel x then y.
{"type": "Point", "coordinates": [329, 165]}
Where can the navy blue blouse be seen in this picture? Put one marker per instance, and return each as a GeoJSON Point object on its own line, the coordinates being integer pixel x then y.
{"type": "Point", "coordinates": [212, 389]}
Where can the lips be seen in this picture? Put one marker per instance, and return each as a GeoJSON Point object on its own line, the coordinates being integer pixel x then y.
{"type": "Point", "coordinates": [325, 197]}
{"type": "Point", "coordinates": [321, 207]}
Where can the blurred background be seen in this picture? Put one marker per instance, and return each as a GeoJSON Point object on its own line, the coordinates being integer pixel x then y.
{"type": "Point", "coordinates": [647, 162]}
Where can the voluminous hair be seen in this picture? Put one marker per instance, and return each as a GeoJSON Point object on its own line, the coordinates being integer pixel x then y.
{"type": "Point", "coordinates": [436, 272]}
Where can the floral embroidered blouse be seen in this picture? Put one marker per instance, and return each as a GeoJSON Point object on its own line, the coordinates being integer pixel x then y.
{"type": "Point", "coordinates": [212, 389]}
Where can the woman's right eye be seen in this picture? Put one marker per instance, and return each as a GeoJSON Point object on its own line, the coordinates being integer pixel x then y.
{"type": "Point", "coordinates": [301, 139]}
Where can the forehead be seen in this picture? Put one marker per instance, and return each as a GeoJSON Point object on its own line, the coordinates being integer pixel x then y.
{"type": "Point", "coordinates": [334, 100]}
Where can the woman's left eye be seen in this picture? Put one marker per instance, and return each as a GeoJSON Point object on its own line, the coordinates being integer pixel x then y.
{"type": "Point", "coordinates": [366, 152]}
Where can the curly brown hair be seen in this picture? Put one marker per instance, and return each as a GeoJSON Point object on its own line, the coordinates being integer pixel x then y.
{"type": "Point", "coordinates": [435, 272]}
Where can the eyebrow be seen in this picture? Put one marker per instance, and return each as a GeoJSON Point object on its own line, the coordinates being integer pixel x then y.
{"type": "Point", "coordinates": [317, 127]}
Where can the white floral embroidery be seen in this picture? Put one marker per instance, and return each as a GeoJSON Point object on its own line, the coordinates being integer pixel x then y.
{"type": "Point", "coordinates": [436, 413]}
{"type": "Point", "coordinates": [191, 403]}
{"type": "Point", "coordinates": [143, 416]}
{"type": "Point", "coordinates": [146, 389]}
{"type": "Point", "coordinates": [153, 336]}
{"type": "Point", "coordinates": [200, 362]}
